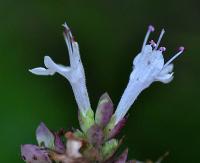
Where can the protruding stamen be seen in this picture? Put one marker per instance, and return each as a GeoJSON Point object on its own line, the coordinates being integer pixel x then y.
{"type": "Point", "coordinates": [68, 37]}
{"type": "Point", "coordinates": [67, 29]}
{"type": "Point", "coordinates": [181, 49]}
{"type": "Point", "coordinates": [152, 43]}
{"type": "Point", "coordinates": [150, 29]}
{"type": "Point", "coordinates": [162, 49]}
{"type": "Point", "coordinates": [159, 39]}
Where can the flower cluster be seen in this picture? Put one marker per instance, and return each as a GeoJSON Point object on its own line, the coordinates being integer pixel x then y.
{"type": "Point", "coordinates": [96, 141]}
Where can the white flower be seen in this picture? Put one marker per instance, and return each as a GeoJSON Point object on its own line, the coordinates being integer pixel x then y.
{"type": "Point", "coordinates": [148, 66]}
{"type": "Point", "coordinates": [74, 73]}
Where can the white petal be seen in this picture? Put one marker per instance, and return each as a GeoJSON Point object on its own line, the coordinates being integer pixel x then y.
{"type": "Point", "coordinates": [63, 68]}
{"type": "Point", "coordinates": [76, 55]}
{"type": "Point", "coordinates": [49, 63]}
{"type": "Point", "coordinates": [41, 71]}
{"type": "Point", "coordinates": [130, 94]}
{"type": "Point", "coordinates": [68, 39]}
{"type": "Point", "coordinates": [165, 78]}
{"type": "Point", "coordinates": [139, 58]}
{"type": "Point", "coordinates": [166, 70]}
{"type": "Point", "coordinates": [76, 76]}
{"type": "Point", "coordinates": [72, 46]}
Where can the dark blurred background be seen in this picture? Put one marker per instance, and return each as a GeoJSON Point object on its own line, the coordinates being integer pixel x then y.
{"type": "Point", "coordinates": [110, 33]}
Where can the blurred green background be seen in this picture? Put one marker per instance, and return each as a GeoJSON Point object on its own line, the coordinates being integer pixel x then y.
{"type": "Point", "coordinates": [110, 33]}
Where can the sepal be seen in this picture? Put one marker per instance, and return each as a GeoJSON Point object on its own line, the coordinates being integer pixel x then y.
{"type": "Point", "coordinates": [44, 136]}
{"type": "Point", "coordinates": [104, 110]}
{"type": "Point", "coordinates": [95, 136]}
{"type": "Point", "coordinates": [86, 121]}
{"type": "Point", "coordinates": [34, 154]}
{"type": "Point", "coordinates": [122, 158]}
{"type": "Point", "coordinates": [109, 148]}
